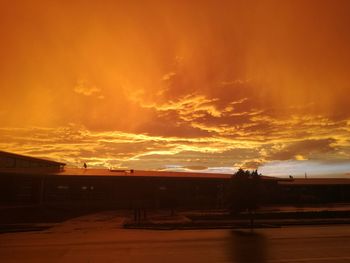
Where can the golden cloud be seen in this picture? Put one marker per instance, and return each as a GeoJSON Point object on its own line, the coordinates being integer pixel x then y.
{"type": "Point", "coordinates": [85, 88]}
{"type": "Point", "coordinates": [175, 82]}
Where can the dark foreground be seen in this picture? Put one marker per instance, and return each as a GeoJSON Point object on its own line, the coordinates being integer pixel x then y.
{"type": "Point", "coordinates": [100, 238]}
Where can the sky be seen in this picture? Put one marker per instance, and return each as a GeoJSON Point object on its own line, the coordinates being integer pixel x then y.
{"type": "Point", "coordinates": [178, 85]}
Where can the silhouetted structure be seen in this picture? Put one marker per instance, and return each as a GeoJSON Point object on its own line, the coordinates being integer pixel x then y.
{"type": "Point", "coordinates": [11, 160]}
{"type": "Point", "coordinates": [46, 182]}
{"type": "Point", "coordinates": [117, 188]}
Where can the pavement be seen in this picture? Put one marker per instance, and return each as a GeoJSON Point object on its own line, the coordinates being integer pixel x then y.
{"type": "Point", "coordinates": [307, 207]}
{"type": "Point", "coordinates": [268, 217]}
{"type": "Point", "coordinates": [100, 237]}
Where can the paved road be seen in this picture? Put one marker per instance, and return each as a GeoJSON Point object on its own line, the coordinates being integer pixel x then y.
{"type": "Point", "coordinates": [98, 238]}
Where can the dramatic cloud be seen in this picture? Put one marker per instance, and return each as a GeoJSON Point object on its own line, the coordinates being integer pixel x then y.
{"type": "Point", "coordinates": [149, 84]}
{"type": "Point", "coordinates": [85, 88]}
{"type": "Point", "coordinates": [302, 150]}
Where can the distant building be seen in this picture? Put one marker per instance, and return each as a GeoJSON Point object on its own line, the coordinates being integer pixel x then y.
{"type": "Point", "coordinates": [112, 188]}
{"type": "Point", "coordinates": [314, 190]}
{"type": "Point", "coordinates": [31, 180]}
{"type": "Point", "coordinates": [12, 160]}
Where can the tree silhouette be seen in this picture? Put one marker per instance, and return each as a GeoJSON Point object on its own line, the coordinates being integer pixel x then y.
{"type": "Point", "coordinates": [245, 191]}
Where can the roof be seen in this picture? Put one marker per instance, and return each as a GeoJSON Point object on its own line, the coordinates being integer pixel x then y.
{"type": "Point", "coordinates": [109, 173]}
{"type": "Point", "coordinates": [316, 181]}
{"type": "Point", "coordinates": [28, 158]}
{"type": "Point", "coordinates": [90, 172]}
{"type": "Point", "coordinates": [115, 173]}
{"type": "Point", "coordinates": [139, 173]}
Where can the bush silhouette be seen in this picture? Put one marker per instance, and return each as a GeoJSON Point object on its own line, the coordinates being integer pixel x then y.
{"type": "Point", "coordinates": [245, 188]}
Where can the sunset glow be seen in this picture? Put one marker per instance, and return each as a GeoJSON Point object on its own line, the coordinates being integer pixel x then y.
{"type": "Point", "coordinates": [178, 85]}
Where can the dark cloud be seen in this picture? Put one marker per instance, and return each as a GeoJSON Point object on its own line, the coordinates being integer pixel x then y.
{"type": "Point", "coordinates": [304, 149]}
{"type": "Point", "coordinates": [253, 165]}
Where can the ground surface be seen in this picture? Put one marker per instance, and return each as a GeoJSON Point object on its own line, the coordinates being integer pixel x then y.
{"type": "Point", "coordinates": [99, 238]}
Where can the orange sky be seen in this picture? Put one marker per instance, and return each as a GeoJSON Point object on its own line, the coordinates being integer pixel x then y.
{"type": "Point", "coordinates": [155, 84]}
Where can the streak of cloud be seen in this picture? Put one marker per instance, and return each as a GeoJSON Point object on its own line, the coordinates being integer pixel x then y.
{"type": "Point", "coordinates": [139, 84]}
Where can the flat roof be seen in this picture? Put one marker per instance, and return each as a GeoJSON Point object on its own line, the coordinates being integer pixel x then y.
{"type": "Point", "coordinates": [109, 173]}
{"type": "Point", "coordinates": [115, 173]}
{"type": "Point", "coordinates": [28, 158]}
{"type": "Point", "coordinates": [139, 173]}
{"type": "Point", "coordinates": [316, 181]}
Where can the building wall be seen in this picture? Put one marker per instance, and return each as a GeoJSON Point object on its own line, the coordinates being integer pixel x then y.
{"type": "Point", "coordinates": [123, 192]}
{"type": "Point", "coordinates": [152, 192]}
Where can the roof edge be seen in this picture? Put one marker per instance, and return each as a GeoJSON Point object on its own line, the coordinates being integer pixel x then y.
{"type": "Point", "coordinates": [30, 158]}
